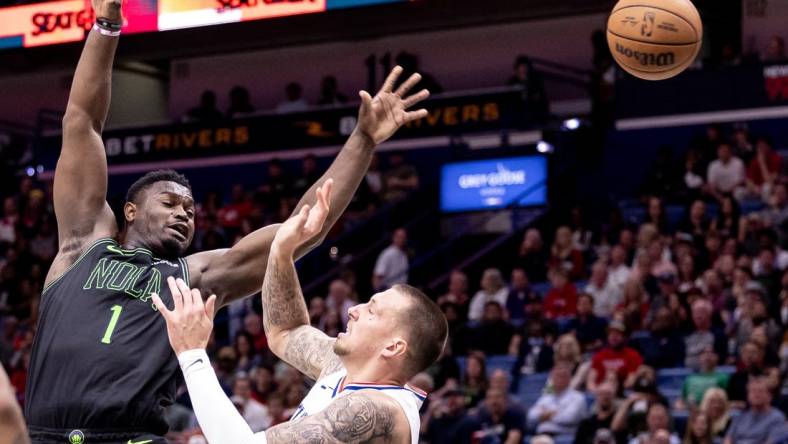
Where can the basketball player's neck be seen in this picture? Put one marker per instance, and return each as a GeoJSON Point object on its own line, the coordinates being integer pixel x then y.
{"type": "Point", "coordinates": [373, 372]}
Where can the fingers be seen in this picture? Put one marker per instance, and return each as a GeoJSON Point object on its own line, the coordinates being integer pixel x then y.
{"type": "Point", "coordinates": [177, 297]}
{"type": "Point", "coordinates": [210, 307]}
{"type": "Point", "coordinates": [416, 115]}
{"type": "Point", "coordinates": [415, 98]}
{"type": "Point", "coordinates": [186, 292]}
{"type": "Point", "coordinates": [408, 84]}
{"type": "Point", "coordinates": [366, 99]}
{"type": "Point", "coordinates": [160, 306]}
{"type": "Point", "coordinates": [388, 85]}
{"type": "Point", "coordinates": [324, 197]}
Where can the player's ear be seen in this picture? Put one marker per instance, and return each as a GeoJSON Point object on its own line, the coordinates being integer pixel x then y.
{"type": "Point", "coordinates": [395, 347]}
{"type": "Point", "coordinates": [129, 211]}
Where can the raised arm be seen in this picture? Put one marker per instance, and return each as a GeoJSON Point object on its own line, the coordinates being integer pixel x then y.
{"type": "Point", "coordinates": [285, 315]}
{"type": "Point", "coordinates": [236, 273]}
{"type": "Point", "coordinates": [80, 186]}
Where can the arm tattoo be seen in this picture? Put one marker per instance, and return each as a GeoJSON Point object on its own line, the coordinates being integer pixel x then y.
{"type": "Point", "coordinates": [311, 352]}
{"type": "Point", "coordinates": [356, 418]}
{"type": "Point", "coordinates": [284, 310]}
{"type": "Point", "coordinates": [283, 303]}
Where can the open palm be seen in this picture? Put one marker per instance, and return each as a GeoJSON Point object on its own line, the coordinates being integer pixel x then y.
{"type": "Point", "coordinates": [305, 224]}
{"type": "Point", "coordinates": [381, 116]}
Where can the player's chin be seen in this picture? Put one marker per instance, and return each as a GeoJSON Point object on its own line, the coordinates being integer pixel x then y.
{"type": "Point", "coordinates": [175, 247]}
{"type": "Point", "coordinates": [340, 346]}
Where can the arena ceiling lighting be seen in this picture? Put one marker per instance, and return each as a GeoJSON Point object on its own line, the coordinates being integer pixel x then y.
{"type": "Point", "coordinates": [63, 21]}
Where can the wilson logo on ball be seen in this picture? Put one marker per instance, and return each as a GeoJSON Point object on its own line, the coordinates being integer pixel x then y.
{"type": "Point", "coordinates": [647, 58]}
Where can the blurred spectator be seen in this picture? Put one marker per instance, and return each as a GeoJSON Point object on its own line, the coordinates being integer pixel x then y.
{"type": "Point", "coordinates": [254, 413]}
{"type": "Point", "coordinates": [493, 288]}
{"type": "Point", "coordinates": [458, 293]}
{"type": "Point", "coordinates": [703, 336]}
{"type": "Point", "coordinates": [276, 410]}
{"type": "Point", "coordinates": [692, 177]}
{"type": "Point", "coordinates": [498, 419]}
{"type": "Point", "coordinates": [233, 214]}
{"type": "Point", "coordinates": [474, 380]}
{"type": "Point", "coordinates": [225, 367]}
{"type": "Point", "coordinates": [657, 426]}
{"type": "Point", "coordinates": [265, 386]}
{"type": "Point", "coordinates": [338, 299]}
{"type": "Point", "coordinates": [400, 179]}
{"type": "Point", "coordinates": [760, 421]}
{"type": "Point", "coordinates": [606, 293]}
{"type": "Point", "coordinates": [561, 300]}
{"type": "Point", "coordinates": [697, 384]}
{"type": "Point", "coordinates": [533, 346]}
{"type": "Point", "coordinates": [615, 361]}
{"type": "Point", "coordinates": [727, 222]}
{"type": "Point", "coordinates": [603, 436]}
{"type": "Point", "coordinates": [206, 111]}
{"type": "Point", "coordinates": [601, 416]}
{"type": "Point", "coordinates": [519, 294]}
{"type": "Point", "coordinates": [566, 351]}
{"type": "Point", "coordinates": [751, 365]}
{"type": "Point", "coordinates": [715, 406]}
{"type": "Point", "coordinates": [9, 221]}
{"type": "Point", "coordinates": [277, 186]}
{"type": "Point", "coordinates": [493, 334]}
{"type": "Point", "coordinates": [664, 346]}
{"type": "Point", "coordinates": [542, 439]}
{"type": "Point", "coordinates": [776, 214]}
{"type": "Point", "coordinates": [587, 327]}
{"type": "Point", "coordinates": [244, 349]}
{"type": "Point", "coordinates": [661, 180]}
{"type": "Point", "coordinates": [775, 50]}
{"type": "Point", "coordinates": [725, 173]}
{"type": "Point", "coordinates": [634, 307]}
{"type": "Point", "coordinates": [617, 271]}
{"type": "Point", "coordinates": [410, 65]}
{"type": "Point", "coordinates": [374, 177]}
{"type": "Point", "coordinates": [443, 421]}
{"type": "Point", "coordinates": [560, 411]}
{"type": "Point", "coordinates": [391, 266]}
{"type": "Point", "coordinates": [309, 175]}
{"type": "Point", "coordinates": [698, 430]}
{"type": "Point", "coordinates": [696, 224]}
{"type": "Point", "coordinates": [564, 254]}
{"type": "Point", "coordinates": [655, 214]}
{"type": "Point", "coordinates": [329, 92]}
{"type": "Point", "coordinates": [239, 102]}
{"type": "Point", "coordinates": [293, 102]}
{"type": "Point", "coordinates": [530, 80]}
{"type": "Point", "coordinates": [532, 256]}
{"type": "Point", "coordinates": [762, 172]}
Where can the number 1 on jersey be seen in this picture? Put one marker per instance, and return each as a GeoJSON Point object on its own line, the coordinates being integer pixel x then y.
{"type": "Point", "coordinates": [112, 323]}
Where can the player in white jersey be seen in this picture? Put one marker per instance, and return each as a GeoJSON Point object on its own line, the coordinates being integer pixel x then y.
{"type": "Point", "coordinates": [361, 393]}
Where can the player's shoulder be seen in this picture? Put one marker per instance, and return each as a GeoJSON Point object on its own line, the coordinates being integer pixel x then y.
{"type": "Point", "coordinates": [384, 416]}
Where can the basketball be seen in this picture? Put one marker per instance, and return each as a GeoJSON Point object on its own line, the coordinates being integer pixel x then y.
{"type": "Point", "coordinates": [654, 39]}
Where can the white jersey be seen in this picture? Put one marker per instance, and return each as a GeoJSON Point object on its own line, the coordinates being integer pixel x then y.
{"type": "Point", "coordinates": [331, 387]}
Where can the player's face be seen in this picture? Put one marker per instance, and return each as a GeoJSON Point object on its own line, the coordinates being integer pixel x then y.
{"type": "Point", "coordinates": [165, 219]}
{"type": "Point", "coordinates": [371, 326]}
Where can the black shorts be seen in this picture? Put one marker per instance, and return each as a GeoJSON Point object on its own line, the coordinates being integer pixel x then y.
{"type": "Point", "coordinates": [93, 436]}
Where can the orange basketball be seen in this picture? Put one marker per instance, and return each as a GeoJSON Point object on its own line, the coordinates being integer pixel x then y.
{"type": "Point", "coordinates": [654, 39]}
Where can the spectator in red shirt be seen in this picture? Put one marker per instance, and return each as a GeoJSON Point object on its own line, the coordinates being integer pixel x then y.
{"type": "Point", "coordinates": [615, 361]}
{"type": "Point", "coordinates": [232, 214]}
{"type": "Point", "coordinates": [561, 300]}
{"type": "Point", "coordinates": [762, 172]}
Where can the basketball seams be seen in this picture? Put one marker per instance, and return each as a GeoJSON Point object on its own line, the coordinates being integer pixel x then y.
{"type": "Point", "coordinates": [698, 35]}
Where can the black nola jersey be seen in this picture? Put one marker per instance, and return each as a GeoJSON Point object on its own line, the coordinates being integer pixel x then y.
{"type": "Point", "coordinates": [101, 357]}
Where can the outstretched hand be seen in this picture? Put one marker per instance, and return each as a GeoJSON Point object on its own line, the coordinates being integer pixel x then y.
{"type": "Point", "coordinates": [381, 116]}
{"type": "Point", "coordinates": [190, 322]}
{"type": "Point", "coordinates": [304, 225]}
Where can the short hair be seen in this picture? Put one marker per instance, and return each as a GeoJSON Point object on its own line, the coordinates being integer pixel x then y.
{"type": "Point", "coordinates": [152, 177]}
{"type": "Point", "coordinates": [427, 329]}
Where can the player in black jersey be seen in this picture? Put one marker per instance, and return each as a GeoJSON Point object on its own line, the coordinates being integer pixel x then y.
{"type": "Point", "coordinates": [101, 369]}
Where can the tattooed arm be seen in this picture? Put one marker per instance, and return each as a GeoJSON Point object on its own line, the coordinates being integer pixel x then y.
{"type": "Point", "coordinates": [285, 316]}
{"type": "Point", "coordinates": [365, 416]}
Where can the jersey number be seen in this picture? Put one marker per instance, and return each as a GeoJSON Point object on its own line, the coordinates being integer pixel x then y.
{"type": "Point", "coordinates": [112, 323]}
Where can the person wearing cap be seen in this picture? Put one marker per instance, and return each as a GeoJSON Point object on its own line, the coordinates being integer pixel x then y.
{"type": "Point", "coordinates": [615, 360]}
{"type": "Point", "coordinates": [696, 384]}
